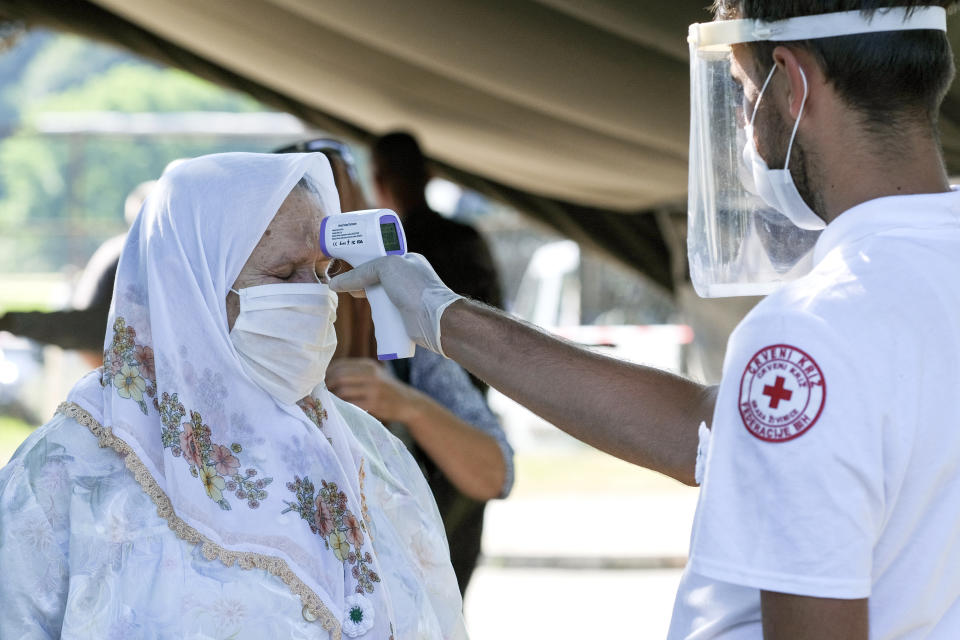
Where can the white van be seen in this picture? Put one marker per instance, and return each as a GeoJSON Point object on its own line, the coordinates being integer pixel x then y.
{"type": "Point", "coordinates": [550, 296]}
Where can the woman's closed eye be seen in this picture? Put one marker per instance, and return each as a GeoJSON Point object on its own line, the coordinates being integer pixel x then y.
{"type": "Point", "coordinates": [303, 274]}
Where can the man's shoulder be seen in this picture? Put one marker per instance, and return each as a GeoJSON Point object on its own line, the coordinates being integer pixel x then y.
{"type": "Point", "coordinates": [885, 284]}
{"type": "Point", "coordinates": [837, 291]}
{"type": "Point", "coordinates": [830, 328]}
{"type": "Point", "coordinates": [817, 317]}
{"type": "Point", "coordinates": [810, 300]}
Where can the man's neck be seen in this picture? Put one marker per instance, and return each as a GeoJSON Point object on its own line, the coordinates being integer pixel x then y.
{"type": "Point", "coordinates": [905, 164]}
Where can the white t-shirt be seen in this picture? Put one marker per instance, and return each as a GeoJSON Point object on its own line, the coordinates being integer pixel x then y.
{"type": "Point", "coordinates": [833, 467]}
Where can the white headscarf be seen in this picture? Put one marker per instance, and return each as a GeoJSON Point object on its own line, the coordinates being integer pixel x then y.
{"type": "Point", "coordinates": [279, 487]}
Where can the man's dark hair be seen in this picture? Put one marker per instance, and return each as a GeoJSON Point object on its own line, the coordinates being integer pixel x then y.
{"type": "Point", "coordinates": [892, 78]}
{"type": "Point", "coordinates": [398, 160]}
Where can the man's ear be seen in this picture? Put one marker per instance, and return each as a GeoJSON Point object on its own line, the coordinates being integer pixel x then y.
{"type": "Point", "coordinates": [799, 73]}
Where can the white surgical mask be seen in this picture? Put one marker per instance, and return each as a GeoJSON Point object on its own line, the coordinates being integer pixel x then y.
{"type": "Point", "coordinates": [285, 336]}
{"type": "Point", "coordinates": [776, 186]}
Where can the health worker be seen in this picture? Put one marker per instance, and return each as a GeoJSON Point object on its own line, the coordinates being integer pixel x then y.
{"type": "Point", "coordinates": [828, 455]}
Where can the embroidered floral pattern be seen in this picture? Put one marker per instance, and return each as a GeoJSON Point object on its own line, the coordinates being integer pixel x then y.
{"type": "Point", "coordinates": [362, 474]}
{"type": "Point", "coordinates": [131, 369]}
{"type": "Point", "coordinates": [211, 551]}
{"type": "Point", "coordinates": [129, 366]}
{"type": "Point", "coordinates": [314, 410]}
{"type": "Point", "coordinates": [144, 357]}
{"type": "Point", "coordinates": [217, 466]}
{"type": "Point", "coordinates": [328, 516]}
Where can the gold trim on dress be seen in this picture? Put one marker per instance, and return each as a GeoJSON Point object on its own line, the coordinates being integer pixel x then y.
{"type": "Point", "coordinates": [210, 549]}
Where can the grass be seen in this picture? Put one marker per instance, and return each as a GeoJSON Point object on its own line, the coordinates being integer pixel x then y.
{"type": "Point", "coordinates": [28, 291]}
{"type": "Point", "coordinates": [23, 292]}
{"type": "Point", "coordinates": [586, 471]}
{"type": "Point", "coordinates": [12, 432]}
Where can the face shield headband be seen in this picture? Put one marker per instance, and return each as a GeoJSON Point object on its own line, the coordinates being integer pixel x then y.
{"type": "Point", "coordinates": [749, 230]}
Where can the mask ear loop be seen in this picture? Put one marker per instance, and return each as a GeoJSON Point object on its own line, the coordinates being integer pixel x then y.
{"type": "Point", "coordinates": [796, 125]}
{"type": "Point", "coordinates": [756, 107]}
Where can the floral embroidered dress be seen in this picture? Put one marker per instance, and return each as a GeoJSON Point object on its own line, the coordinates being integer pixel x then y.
{"type": "Point", "coordinates": [171, 497]}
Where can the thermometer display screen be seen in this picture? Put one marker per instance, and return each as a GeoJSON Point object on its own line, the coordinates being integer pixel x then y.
{"type": "Point", "coordinates": [391, 241]}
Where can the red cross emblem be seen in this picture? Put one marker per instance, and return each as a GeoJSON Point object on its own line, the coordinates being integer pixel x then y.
{"type": "Point", "coordinates": [777, 392]}
{"type": "Point", "coordinates": [782, 393]}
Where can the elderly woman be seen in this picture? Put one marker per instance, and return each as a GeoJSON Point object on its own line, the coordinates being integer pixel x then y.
{"type": "Point", "coordinates": [204, 483]}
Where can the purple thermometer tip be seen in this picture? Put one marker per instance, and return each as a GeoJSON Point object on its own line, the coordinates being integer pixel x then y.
{"type": "Point", "coordinates": [323, 236]}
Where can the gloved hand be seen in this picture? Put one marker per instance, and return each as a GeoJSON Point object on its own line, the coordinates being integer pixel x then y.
{"type": "Point", "coordinates": [413, 286]}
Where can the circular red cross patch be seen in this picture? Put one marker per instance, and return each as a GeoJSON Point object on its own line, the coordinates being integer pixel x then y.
{"type": "Point", "coordinates": [782, 393]}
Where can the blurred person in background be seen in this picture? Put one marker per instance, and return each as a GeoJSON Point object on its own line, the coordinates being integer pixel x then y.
{"type": "Point", "coordinates": [427, 401]}
{"type": "Point", "coordinates": [81, 327]}
{"type": "Point", "coordinates": [457, 252]}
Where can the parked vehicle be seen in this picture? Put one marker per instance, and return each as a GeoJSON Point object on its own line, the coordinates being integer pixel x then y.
{"type": "Point", "coordinates": [21, 374]}
{"type": "Point", "coordinates": [550, 295]}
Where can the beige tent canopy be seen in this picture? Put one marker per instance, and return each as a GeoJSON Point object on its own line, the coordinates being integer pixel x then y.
{"type": "Point", "coordinates": [575, 111]}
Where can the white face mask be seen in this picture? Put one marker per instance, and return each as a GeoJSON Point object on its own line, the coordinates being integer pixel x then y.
{"type": "Point", "coordinates": [776, 186]}
{"type": "Point", "coordinates": [285, 337]}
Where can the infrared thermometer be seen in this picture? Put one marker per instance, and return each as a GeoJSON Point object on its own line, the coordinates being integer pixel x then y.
{"type": "Point", "coordinates": [362, 236]}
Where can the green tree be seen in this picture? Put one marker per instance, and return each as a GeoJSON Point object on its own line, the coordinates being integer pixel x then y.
{"type": "Point", "coordinates": [61, 196]}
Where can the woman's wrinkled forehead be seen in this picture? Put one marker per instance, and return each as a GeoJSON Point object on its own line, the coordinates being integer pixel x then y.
{"type": "Point", "coordinates": [292, 237]}
{"type": "Point", "coordinates": [300, 216]}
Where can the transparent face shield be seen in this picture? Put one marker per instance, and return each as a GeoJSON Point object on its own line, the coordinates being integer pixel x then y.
{"type": "Point", "coordinates": [737, 242]}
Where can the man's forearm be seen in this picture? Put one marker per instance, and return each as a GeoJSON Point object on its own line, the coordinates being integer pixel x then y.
{"type": "Point", "coordinates": [640, 414]}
